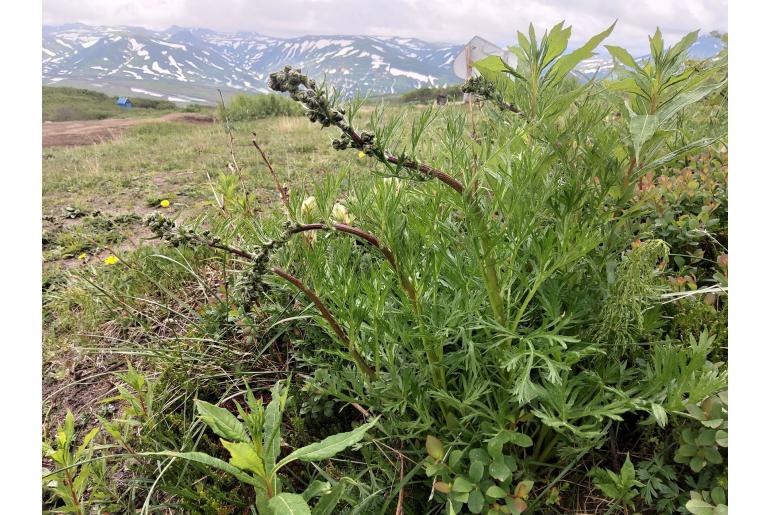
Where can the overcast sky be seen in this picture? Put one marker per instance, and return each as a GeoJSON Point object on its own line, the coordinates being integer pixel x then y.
{"type": "Point", "coordinates": [453, 21]}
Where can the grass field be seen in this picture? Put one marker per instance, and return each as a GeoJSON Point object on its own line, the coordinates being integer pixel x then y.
{"type": "Point", "coordinates": [66, 104]}
{"type": "Point", "coordinates": [94, 197]}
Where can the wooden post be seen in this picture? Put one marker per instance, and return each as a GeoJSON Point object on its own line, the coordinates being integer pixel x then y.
{"type": "Point", "coordinates": [468, 75]}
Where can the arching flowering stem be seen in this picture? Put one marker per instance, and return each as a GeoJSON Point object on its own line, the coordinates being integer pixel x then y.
{"type": "Point", "coordinates": [322, 109]}
{"type": "Point", "coordinates": [359, 360]}
{"type": "Point", "coordinates": [373, 241]}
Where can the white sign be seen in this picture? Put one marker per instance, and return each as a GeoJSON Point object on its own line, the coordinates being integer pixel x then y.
{"type": "Point", "coordinates": [478, 48]}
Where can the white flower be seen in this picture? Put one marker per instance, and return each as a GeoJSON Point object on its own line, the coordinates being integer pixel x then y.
{"type": "Point", "coordinates": [341, 214]}
{"type": "Point", "coordinates": [392, 182]}
{"type": "Point", "coordinates": [309, 210]}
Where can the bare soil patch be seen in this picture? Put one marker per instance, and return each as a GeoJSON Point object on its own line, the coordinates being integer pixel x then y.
{"type": "Point", "coordinates": [89, 132]}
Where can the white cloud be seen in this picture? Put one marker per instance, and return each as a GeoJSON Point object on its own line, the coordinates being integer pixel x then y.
{"type": "Point", "coordinates": [432, 20]}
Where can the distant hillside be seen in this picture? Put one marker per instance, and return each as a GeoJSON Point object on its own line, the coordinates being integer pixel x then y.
{"type": "Point", "coordinates": [66, 104]}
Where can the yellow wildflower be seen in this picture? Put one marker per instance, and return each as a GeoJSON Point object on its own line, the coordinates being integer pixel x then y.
{"type": "Point", "coordinates": [111, 260]}
{"type": "Point", "coordinates": [361, 154]}
{"type": "Point", "coordinates": [83, 256]}
{"type": "Point", "coordinates": [164, 203]}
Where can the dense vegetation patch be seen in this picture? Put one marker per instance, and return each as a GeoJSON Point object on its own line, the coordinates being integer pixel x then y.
{"type": "Point", "coordinates": [431, 95]}
{"type": "Point", "coordinates": [522, 314]}
{"type": "Point", "coordinates": [254, 107]}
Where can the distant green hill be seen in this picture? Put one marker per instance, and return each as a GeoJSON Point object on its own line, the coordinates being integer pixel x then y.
{"type": "Point", "coordinates": [65, 104]}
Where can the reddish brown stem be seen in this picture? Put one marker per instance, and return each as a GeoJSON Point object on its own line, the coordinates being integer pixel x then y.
{"type": "Point", "coordinates": [429, 170]}
{"type": "Point", "coordinates": [329, 318]}
{"type": "Point", "coordinates": [369, 238]}
{"type": "Point", "coordinates": [422, 168]}
{"type": "Point", "coordinates": [281, 189]}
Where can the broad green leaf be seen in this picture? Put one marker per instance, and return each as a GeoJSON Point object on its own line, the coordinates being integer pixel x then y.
{"type": "Point", "coordinates": [523, 489]}
{"type": "Point", "coordinates": [656, 43]}
{"type": "Point", "coordinates": [706, 437]}
{"type": "Point", "coordinates": [86, 441]}
{"type": "Point", "coordinates": [495, 446]}
{"type": "Point", "coordinates": [627, 472]}
{"type": "Point", "coordinates": [288, 504]}
{"type": "Point", "coordinates": [461, 485]}
{"type": "Point", "coordinates": [271, 446]}
{"type": "Point", "coordinates": [718, 495]}
{"type": "Point", "coordinates": [557, 41]}
{"type": "Point", "coordinates": [523, 41]}
{"type": "Point", "coordinates": [328, 502]}
{"type": "Point", "coordinates": [684, 43]}
{"type": "Point", "coordinates": [628, 85]}
{"type": "Point", "coordinates": [667, 158]}
{"type": "Point", "coordinates": [435, 448]}
{"type": "Point", "coordinates": [475, 471]}
{"type": "Point", "coordinates": [221, 421]}
{"type": "Point", "coordinates": [520, 439]}
{"type": "Point", "coordinates": [479, 455]}
{"type": "Point", "coordinates": [495, 492]}
{"type": "Point", "coordinates": [476, 502]}
{"type": "Point", "coordinates": [328, 447]}
{"type": "Point", "coordinates": [454, 458]}
{"type": "Point", "coordinates": [566, 63]}
{"type": "Point", "coordinates": [721, 438]}
{"type": "Point", "coordinates": [243, 456]}
{"type": "Point", "coordinates": [685, 98]}
{"type": "Point", "coordinates": [699, 507]}
{"type": "Point", "coordinates": [205, 459]}
{"type": "Point", "coordinates": [697, 463]}
{"type": "Point", "coordinates": [69, 428]}
{"type": "Point", "coordinates": [712, 455]}
{"type": "Point", "coordinates": [661, 417]}
{"type": "Point", "coordinates": [622, 55]}
{"type": "Point", "coordinates": [315, 489]}
{"type": "Point", "coordinates": [518, 506]}
{"type": "Point", "coordinates": [642, 127]}
{"type": "Point", "coordinates": [499, 471]}
{"type": "Point", "coordinates": [712, 423]}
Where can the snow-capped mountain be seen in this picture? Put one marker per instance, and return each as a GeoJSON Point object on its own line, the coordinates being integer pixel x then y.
{"type": "Point", "coordinates": [188, 65]}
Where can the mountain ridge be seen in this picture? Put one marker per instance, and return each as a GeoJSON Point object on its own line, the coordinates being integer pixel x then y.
{"type": "Point", "coordinates": [189, 64]}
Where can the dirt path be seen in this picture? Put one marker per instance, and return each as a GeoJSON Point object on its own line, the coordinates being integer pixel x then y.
{"type": "Point", "coordinates": [89, 132]}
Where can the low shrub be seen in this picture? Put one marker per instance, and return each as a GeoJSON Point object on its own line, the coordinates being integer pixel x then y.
{"type": "Point", "coordinates": [254, 107]}
{"type": "Point", "coordinates": [491, 305]}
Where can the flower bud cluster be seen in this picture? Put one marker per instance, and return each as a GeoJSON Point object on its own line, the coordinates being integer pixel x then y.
{"type": "Point", "coordinates": [321, 109]}
{"type": "Point", "coordinates": [305, 91]}
{"type": "Point", "coordinates": [168, 230]}
{"type": "Point", "coordinates": [485, 89]}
